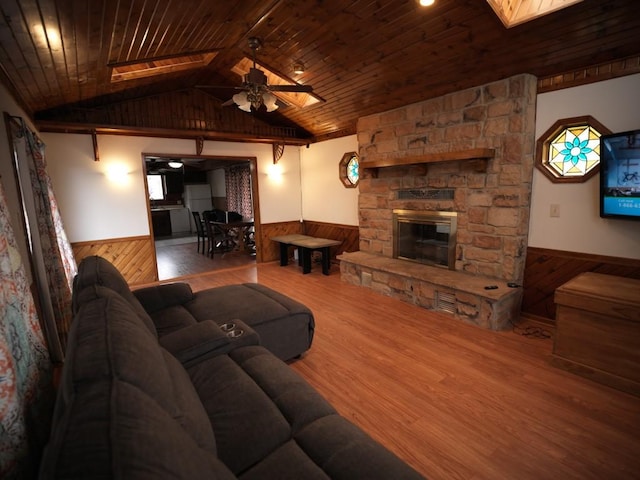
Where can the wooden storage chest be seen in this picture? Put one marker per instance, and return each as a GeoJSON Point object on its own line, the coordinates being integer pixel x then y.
{"type": "Point", "coordinates": [598, 329]}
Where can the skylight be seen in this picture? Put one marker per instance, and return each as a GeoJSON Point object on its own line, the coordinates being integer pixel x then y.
{"type": "Point", "coordinates": [157, 66]}
{"type": "Point", "coordinates": [515, 12]}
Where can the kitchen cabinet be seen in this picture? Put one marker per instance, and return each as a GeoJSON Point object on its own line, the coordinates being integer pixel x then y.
{"type": "Point", "coordinates": [161, 221]}
{"type": "Point", "coordinates": [180, 220]}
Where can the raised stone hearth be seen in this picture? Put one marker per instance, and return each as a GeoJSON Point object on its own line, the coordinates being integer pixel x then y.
{"type": "Point", "coordinates": [479, 143]}
{"type": "Point", "coordinates": [461, 294]}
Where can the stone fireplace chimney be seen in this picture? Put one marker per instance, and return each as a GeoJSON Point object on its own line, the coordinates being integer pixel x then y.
{"type": "Point", "coordinates": [468, 153]}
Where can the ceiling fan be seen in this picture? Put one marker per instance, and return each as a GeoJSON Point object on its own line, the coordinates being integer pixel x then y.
{"type": "Point", "coordinates": [255, 91]}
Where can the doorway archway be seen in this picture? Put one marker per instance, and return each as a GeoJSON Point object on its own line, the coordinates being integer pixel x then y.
{"type": "Point", "coordinates": [196, 165]}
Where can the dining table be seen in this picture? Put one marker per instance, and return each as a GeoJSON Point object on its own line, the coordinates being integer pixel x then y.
{"type": "Point", "coordinates": [235, 231]}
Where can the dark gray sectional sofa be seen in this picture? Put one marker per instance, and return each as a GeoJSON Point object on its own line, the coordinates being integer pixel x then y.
{"type": "Point", "coordinates": [202, 400]}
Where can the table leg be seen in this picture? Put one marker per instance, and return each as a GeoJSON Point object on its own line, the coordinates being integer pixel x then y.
{"type": "Point", "coordinates": [284, 254]}
{"type": "Point", "coordinates": [306, 260]}
{"type": "Point", "coordinates": [326, 260]}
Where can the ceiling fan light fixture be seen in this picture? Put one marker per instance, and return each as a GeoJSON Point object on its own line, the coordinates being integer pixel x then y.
{"type": "Point", "coordinates": [269, 100]}
{"type": "Point", "coordinates": [298, 68]}
{"type": "Point", "coordinates": [175, 164]}
{"type": "Point", "coordinates": [242, 101]}
{"type": "Point", "coordinates": [256, 90]}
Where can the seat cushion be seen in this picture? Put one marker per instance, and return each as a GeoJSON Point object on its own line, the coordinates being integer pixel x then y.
{"type": "Point", "coordinates": [289, 461]}
{"type": "Point", "coordinates": [247, 424]}
{"type": "Point", "coordinates": [255, 404]}
{"type": "Point", "coordinates": [345, 452]}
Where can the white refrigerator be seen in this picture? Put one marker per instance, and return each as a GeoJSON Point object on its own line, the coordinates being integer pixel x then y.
{"type": "Point", "coordinates": [197, 198]}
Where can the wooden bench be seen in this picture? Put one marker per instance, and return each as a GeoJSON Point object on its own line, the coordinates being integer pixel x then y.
{"type": "Point", "coordinates": [598, 329]}
{"type": "Point", "coordinates": [306, 244]}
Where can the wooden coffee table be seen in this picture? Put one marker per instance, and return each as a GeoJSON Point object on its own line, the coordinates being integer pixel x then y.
{"type": "Point", "coordinates": [306, 244]}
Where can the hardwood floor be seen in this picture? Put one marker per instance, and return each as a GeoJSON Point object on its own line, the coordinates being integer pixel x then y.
{"type": "Point", "coordinates": [183, 260]}
{"type": "Point", "coordinates": [453, 400]}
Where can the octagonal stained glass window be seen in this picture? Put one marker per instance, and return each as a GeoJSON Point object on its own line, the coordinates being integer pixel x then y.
{"type": "Point", "coordinates": [570, 150]}
{"type": "Point", "coordinates": [350, 169]}
{"type": "Point", "coordinates": [575, 151]}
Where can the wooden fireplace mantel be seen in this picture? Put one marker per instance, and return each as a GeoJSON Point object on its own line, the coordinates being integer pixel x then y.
{"type": "Point", "coordinates": [478, 157]}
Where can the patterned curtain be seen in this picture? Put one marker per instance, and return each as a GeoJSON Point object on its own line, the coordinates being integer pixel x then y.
{"type": "Point", "coordinates": [59, 262]}
{"type": "Point", "coordinates": [238, 185]}
{"type": "Point", "coordinates": [26, 392]}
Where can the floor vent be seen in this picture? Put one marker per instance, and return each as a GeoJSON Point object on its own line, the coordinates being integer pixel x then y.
{"type": "Point", "coordinates": [445, 302]}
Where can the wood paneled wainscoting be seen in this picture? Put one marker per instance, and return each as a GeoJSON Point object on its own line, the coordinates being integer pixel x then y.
{"type": "Point", "coordinates": [545, 270]}
{"type": "Point", "coordinates": [135, 257]}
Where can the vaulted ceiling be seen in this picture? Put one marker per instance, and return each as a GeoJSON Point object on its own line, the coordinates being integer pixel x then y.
{"type": "Point", "coordinates": [61, 57]}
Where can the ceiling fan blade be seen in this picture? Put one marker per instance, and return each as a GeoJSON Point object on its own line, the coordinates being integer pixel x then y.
{"type": "Point", "coordinates": [226, 87]}
{"type": "Point", "coordinates": [291, 88]}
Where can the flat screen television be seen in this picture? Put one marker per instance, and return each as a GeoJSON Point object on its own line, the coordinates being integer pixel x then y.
{"type": "Point", "coordinates": [620, 175]}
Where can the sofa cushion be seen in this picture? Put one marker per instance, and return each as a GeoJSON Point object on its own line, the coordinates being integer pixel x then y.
{"type": "Point", "coordinates": [288, 462]}
{"type": "Point", "coordinates": [257, 302]}
{"type": "Point", "coordinates": [256, 404]}
{"type": "Point", "coordinates": [171, 319]}
{"type": "Point", "coordinates": [114, 430]}
{"type": "Point", "coordinates": [344, 452]}
{"type": "Point", "coordinates": [125, 404]}
{"type": "Point", "coordinates": [298, 402]}
{"type": "Point", "coordinates": [246, 423]}
{"type": "Point", "coordinates": [95, 270]}
{"type": "Point", "coordinates": [159, 297]}
{"type": "Point", "coordinates": [284, 325]}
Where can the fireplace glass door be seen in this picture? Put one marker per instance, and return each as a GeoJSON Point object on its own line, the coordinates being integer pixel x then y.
{"type": "Point", "coordinates": [425, 237]}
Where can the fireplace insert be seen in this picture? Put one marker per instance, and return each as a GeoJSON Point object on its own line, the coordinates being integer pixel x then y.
{"type": "Point", "coordinates": [427, 237]}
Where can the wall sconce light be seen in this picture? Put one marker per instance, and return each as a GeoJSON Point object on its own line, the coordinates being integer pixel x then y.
{"type": "Point", "coordinates": [117, 173]}
{"type": "Point", "coordinates": [275, 173]}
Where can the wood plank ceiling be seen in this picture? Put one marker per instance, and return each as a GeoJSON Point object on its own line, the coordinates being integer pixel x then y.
{"type": "Point", "coordinates": [360, 56]}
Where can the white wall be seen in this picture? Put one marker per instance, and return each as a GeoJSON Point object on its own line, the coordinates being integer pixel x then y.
{"type": "Point", "coordinates": [95, 206]}
{"type": "Point", "coordinates": [616, 104]}
{"type": "Point", "coordinates": [324, 197]}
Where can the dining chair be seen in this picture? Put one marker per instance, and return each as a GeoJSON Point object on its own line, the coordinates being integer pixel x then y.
{"type": "Point", "coordinates": [217, 237]}
{"type": "Point", "coordinates": [202, 236]}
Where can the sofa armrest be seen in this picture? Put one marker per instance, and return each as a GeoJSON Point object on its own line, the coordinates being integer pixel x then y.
{"type": "Point", "coordinates": [160, 297]}
{"type": "Point", "coordinates": [207, 339]}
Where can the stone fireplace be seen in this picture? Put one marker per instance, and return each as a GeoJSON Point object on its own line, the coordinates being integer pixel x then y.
{"type": "Point", "coordinates": [478, 146]}
{"type": "Point", "coordinates": [425, 237]}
